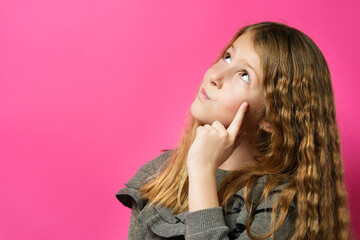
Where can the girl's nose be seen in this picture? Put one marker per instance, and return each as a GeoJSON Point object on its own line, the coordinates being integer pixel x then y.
{"type": "Point", "coordinates": [217, 78]}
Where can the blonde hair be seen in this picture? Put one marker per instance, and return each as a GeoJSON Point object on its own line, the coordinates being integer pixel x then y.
{"type": "Point", "coordinates": [303, 149]}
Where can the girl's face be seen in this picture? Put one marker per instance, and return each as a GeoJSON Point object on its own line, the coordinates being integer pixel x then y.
{"type": "Point", "coordinates": [228, 83]}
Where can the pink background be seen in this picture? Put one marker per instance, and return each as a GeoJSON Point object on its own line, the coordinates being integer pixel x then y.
{"type": "Point", "coordinates": [90, 90]}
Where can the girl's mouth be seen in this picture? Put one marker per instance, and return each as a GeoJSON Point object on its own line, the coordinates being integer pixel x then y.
{"type": "Point", "coordinates": [203, 94]}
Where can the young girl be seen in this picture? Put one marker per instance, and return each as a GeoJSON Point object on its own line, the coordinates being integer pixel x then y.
{"type": "Point", "coordinates": [260, 157]}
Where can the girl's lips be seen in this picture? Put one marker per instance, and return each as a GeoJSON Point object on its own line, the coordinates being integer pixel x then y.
{"type": "Point", "coordinates": [204, 94]}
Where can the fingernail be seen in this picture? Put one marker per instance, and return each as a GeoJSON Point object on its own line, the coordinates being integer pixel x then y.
{"type": "Point", "coordinates": [245, 104]}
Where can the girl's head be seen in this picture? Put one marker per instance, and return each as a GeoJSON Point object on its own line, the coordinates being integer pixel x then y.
{"type": "Point", "coordinates": [284, 77]}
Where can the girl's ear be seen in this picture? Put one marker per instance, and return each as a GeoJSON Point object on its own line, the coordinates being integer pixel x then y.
{"type": "Point", "coordinates": [266, 126]}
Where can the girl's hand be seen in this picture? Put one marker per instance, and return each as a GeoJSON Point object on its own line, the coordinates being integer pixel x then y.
{"type": "Point", "coordinates": [214, 144]}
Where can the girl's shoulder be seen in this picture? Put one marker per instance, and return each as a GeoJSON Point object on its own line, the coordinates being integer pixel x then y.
{"type": "Point", "coordinates": [144, 174]}
{"type": "Point", "coordinates": [159, 162]}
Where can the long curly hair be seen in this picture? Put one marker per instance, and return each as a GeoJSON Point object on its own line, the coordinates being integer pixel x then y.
{"type": "Point", "coordinates": [303, 148]}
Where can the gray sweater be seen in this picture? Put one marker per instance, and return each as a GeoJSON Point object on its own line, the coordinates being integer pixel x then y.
{"type": "Point", "coordinates": [158, 222]}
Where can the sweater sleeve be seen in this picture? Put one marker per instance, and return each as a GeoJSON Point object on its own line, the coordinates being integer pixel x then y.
{"type": "Point", "coordinates": [209, 224]}
{"type": "Point", "coordinates": [136, 230]}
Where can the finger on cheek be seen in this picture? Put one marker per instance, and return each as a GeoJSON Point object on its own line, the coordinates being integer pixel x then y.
{"type": "Point", "coordinates": [244, 106]}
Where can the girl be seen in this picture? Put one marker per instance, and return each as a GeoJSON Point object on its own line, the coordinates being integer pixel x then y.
{"type": "Point", "coordinates": [260, 155]}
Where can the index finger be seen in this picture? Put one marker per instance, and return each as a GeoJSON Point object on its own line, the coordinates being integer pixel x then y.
{"type": "Point", "coordinates": [235, 125]}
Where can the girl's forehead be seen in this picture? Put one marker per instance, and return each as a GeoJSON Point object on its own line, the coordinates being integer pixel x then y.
{"type": "Point", "coordinates": [244, 39]}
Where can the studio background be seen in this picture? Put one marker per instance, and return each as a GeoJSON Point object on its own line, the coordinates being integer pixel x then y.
{"type": "Point", "coordinates": [91, 90]}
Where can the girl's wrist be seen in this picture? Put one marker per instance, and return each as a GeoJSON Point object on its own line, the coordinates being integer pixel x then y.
{"type": "Point", "coordinates": [201, 174]}
{"type": "Point", "coordinates": [202, 189]}
{"type": "Point", "coordinates": [201, 170]}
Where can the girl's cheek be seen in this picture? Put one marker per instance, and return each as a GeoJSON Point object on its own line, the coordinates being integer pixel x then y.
{"type": "Point", "coordinates": [227, 111]}
{"type": "Point", "coordinates": [230, 106]}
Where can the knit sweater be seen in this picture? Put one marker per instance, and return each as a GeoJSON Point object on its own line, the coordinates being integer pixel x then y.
{"type": "Point", "coordinates": [158, 222]}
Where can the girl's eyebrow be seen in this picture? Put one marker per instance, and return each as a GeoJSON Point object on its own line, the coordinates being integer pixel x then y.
{"type": "Point", "coordinates": [246, 63]}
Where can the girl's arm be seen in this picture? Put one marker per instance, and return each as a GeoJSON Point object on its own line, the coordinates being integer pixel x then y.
{"type": "Point", "coordinates": [202, 190]}
{"type": "Point", "coordinates": [205, 219]}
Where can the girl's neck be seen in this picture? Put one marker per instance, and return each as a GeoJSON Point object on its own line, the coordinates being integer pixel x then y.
{"type": "Point", "coordinates": [241, 157]}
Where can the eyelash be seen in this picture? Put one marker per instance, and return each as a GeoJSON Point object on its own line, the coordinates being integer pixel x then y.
{"type": "Point", "coordinates": [228, 54]}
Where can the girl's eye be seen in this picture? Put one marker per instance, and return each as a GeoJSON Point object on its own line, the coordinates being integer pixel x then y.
{"type": "Point", "coordinates": [244, 76]}
{"type": "Point", "coordinates": [226, 55]}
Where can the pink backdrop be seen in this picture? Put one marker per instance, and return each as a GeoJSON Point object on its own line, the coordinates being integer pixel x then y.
{"type": "Point", "coordinates": [90, 90]}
